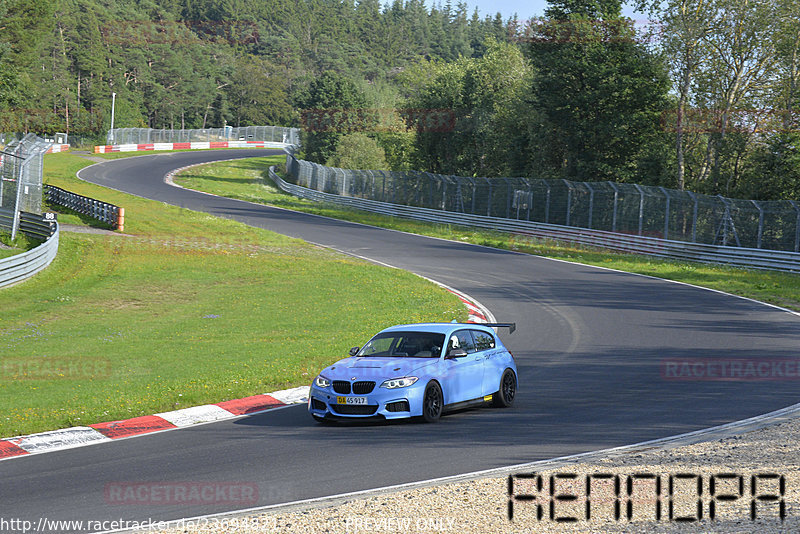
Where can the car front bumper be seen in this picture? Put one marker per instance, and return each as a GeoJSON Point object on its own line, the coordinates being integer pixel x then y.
{"type": "Point", "coordinates": [381, 403]}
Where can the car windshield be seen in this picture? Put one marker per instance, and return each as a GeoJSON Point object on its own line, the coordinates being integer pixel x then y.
{"type": "Point", "coordinates": [404, 344]}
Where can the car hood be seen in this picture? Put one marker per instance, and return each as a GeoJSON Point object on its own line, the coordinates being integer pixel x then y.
{"type": "Point", "coordinates": [372, 368]}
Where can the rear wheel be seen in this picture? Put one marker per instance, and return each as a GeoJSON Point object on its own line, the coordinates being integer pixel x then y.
{"type": "Point", "coordinates": [432, 403]}
{"type": "Point", "coordinates": [508, 390]}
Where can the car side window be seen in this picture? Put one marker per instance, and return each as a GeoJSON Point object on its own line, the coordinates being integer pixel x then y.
{"type": "Point", "coordinates": [483, 340]}
{"type": "Point", "coordinates": [462, 339]}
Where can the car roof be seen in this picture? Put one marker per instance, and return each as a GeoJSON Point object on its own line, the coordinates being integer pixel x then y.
{"type": "Point", "coordinates": [438, 328]}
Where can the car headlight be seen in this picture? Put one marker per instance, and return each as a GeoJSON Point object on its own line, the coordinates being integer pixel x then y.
{"type": "Point", "coordinates": [395, 383]}
{"type": "Point", "coordinates": [322, 382]}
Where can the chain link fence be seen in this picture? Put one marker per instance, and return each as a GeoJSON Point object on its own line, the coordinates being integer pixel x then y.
{"type": "Point", "coordinates": [21, 179]}
{"type": "Point", "coordinates": [622, 208]}
{"type": "Point", "coordinates": [274, 134]}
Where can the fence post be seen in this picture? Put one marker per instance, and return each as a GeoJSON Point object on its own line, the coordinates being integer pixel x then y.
{"type": "Point", "coordinates": [508, 198]}
{"type": "Point", "coordinates": [530, 197]}
{"type": "Point", "coordinates": [760, 222]}
{"type": "Point", "coordinates": [666, 213]}
{"type": "Point", "coordinates": [694, 215]}
{"type": "Point", "coordinates": [641, 206]}
{"type": "Point", "coordinates": [569, 200]}
{"type": "Point", "coordinates": [614, 210]}
{"type": "Point", "coordinates": [547, 202]}
{"type": "Point", "coordinates": [591, 203]}
{"type": "Point", "coordinates": [796, 227]}
{"type": "Point", "coordinates": [489, 203]}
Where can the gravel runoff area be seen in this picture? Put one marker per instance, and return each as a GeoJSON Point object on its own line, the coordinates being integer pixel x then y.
{"type": "Point", "coordinates": [736, 458]}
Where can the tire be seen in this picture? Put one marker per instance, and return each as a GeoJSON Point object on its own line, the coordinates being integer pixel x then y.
{"type": "Point", "coordinates": [432, 403]}
{"type": "Point", "coordinates": [504, 397]}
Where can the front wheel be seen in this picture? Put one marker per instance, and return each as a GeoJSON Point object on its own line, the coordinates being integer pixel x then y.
{"type": "Point", "coordinates": [432, 403]}
{"type": "Point", "coordinates": [508, 390]}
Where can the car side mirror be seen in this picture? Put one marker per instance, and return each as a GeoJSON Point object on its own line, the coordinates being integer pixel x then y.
{"type": "Point", "coordinates": [456, 353]}
{"type": "Point", "coordinates": [354, 351]}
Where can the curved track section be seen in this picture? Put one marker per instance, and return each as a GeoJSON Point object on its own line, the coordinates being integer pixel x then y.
{"type": "Point", "coordinates": [590, 344]}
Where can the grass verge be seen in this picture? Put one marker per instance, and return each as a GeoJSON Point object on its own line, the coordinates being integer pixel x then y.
{"type": "Point", "coordinates": [189, 309]}
{"type": "Point", "coordinates": [247, 180]}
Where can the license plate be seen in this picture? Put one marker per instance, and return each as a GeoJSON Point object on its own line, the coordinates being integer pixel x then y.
{"type": "Point", "coordinates": [351, 400]}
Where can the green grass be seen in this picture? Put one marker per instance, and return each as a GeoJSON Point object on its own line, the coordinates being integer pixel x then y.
{"type": "Point", "coordinates": [190, 309]}
{"type": "Point", "coordinates": [247, 180]}
{"type": "Point", "coordinates": [21, 243]}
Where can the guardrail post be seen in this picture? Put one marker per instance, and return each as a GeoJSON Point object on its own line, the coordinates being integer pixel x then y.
{"type": "Point", "coordinates": [666, 212]}
{"type": "Point", "coordinates": [760, 222]}
{"type": "Point", "coordinates": [641, 206]}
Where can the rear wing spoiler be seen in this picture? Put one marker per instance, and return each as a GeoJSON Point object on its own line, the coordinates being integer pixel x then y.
{"type": "Point", "coordinates": [511, 326]}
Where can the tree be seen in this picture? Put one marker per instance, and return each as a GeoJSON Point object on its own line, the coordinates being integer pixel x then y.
{"type": "Point", "coordinates": [473, 110]}
{"type": "Point", "coordinates": [341, 96]}
{"type": "Point", "coordinates": [685, 25]}
{"type": "Point", "coordinates": [598, 92]}
{"type": "Point", "coordinates": [258, 93]}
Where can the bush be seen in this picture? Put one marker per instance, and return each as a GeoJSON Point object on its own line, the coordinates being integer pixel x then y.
{"type": "Point", "coordinates": [358, 151]}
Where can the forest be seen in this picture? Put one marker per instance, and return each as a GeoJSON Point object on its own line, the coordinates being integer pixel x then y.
{"type": "Point", "coordinates": [701, 97]}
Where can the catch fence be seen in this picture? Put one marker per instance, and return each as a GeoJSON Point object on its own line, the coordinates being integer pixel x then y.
{"type": "Point", "coordinates": [647, 211]}
{"type": "Point", "coordinates": [21, 179]}
{"type": "Point", "coordinates": [272, 134]}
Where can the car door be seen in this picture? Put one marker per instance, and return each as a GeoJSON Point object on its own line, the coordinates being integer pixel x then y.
{"type": "Point", "coordinates": [491, 359]}
{"type": "Point", "coordinates": [465, 373]}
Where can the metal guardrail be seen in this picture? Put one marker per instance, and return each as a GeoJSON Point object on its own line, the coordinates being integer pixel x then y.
{"type": "Point", "coordinates": [22, 266]}
{"type": "Point", "coordinates": [96, 209]}
{"type": "Point", "coordinates": [735, 256]}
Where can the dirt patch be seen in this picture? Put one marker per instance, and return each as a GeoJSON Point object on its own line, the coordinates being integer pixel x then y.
{"type": "Point", "coordinates": [78, 229]}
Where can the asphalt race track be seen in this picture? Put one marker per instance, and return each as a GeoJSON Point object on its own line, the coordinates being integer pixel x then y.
{"type": "Point", "coordinates": [589, 345]}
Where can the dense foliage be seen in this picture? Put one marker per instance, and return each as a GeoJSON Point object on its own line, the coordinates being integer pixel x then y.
{"type": "Point", "coordinates": [196, 63]}
{"type": "Point", "coordinates": [705, 101]}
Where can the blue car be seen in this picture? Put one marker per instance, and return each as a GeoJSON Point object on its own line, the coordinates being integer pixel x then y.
{"type": "Point", "coordinates": [417, 370]}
